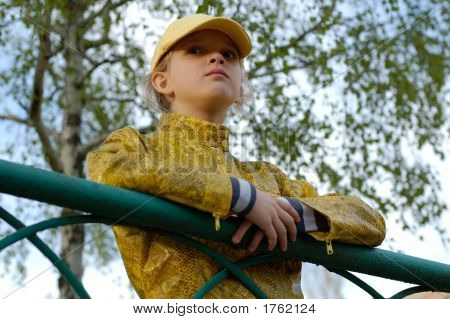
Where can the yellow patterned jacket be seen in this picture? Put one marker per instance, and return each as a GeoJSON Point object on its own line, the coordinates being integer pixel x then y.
{"type": "Point", "coordinates": [187, 160]}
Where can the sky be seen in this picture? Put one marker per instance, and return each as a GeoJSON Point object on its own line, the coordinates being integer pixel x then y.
{"type": "Point", "coordinates": [43, 277]}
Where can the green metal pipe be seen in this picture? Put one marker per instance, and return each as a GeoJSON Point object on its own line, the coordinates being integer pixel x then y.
{"type": "Point", "coordinates": [357, 281]}
{"type": "Point", "coordinates": [50, 223]}
{"type": "Point", "coordinates": [219, 258]}
{"type": "Point", "coordinates": [65, 271]}
{"type": "Point", "coordinates": [224, 273]}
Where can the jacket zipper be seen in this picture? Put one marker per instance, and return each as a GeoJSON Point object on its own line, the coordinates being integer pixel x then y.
{"type": "Point", "coordinates": [223, 172]}
{"type": "Point", "coordinates": [329, 246]}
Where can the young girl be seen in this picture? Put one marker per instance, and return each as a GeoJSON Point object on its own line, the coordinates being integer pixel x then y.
{"type": "Point", "coordinates": [197, 75]}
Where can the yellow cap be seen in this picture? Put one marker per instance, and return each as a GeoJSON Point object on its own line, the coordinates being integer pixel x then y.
{"type": "Point", "coordinates": [186, 25]}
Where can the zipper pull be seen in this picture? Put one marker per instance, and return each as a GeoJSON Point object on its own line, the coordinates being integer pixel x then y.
{"type": "Point", "coordinates": [217, 220]}
{"type": "Point", "coordinates": [329, 247]}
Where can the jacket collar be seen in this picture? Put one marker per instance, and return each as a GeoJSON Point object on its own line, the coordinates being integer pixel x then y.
{"type": "Point", "coordinates": [200, 131]}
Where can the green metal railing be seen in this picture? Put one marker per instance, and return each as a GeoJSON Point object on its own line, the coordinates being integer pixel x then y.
{"type": "Point", "coordinates": [116, 206]}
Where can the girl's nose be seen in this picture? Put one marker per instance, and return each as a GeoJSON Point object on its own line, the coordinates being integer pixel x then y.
{"type": "Point", "coordinates": [216, 56]}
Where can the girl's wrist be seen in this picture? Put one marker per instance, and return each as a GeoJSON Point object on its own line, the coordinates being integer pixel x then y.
{"type": "Point", "coordinates": [244, 196]}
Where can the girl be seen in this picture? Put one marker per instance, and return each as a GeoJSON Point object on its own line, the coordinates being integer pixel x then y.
{"type": "Point", "coordinates": [197, 75]}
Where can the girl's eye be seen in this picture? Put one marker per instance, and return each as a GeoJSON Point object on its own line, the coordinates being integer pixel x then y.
{"type": "Point", "coordinates": [231, 54]}
{"type": "Point", "coordinates": [228, 53]}
{"type": "Point", "coordinates": [193, 49]}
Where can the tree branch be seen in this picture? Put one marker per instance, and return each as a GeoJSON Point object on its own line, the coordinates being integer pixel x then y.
{"type": "Point", "coordinates": [88, 44]}
{"type": "Point", "coordinates": [89, 21]}
{"type": "Point", "coordinates": [52, 95]}
{"type": "Point", "coordinates": [86, 148]}
{"type": "Point", "coordinates": [114, 99]}
{"type": "Point", "coordinates": [291, 44]}
{"type": "Point", "coordinates": [107, 7]}
{"type": "Point", "coordinates": [59, 47]}
{"type": "Point", "coordinates": [285, 69]}
{"type": "Point", "coordinates": [16, 119]}
{"type": "Point", "coordinates": [27, 122]}
{"type": "Point", "coordinates": [96, 64]}
{"type": "Point", "coordinates": [36, 99]}
{"type": "Point", "coordinates": [23, 106]}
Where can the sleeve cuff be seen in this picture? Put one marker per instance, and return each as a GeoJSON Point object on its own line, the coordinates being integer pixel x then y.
{"type": "Point", "coordinates": [310, 220]}
{"type": "Point", "coordinates": [244, 196]}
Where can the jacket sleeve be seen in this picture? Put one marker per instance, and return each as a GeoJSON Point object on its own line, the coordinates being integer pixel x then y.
{"type": "Point", "coordinates": [351, 220]}
{"type": "Point", "coordinates": [125, 159]}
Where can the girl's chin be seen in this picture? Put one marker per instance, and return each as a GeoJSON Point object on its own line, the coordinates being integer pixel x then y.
{"type": "Point", "coordinates": [219, 97]}
{"type": "Point", "coordinates": [214, 104]}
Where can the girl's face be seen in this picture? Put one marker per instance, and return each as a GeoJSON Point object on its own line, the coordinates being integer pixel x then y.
{"type": "Point", "coordinates": [186, 83]}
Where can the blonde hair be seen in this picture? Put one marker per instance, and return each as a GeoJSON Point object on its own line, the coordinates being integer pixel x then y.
{"type": "Point", "coordinates": [157, 102]}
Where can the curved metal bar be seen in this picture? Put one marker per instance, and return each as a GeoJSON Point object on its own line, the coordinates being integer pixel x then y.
{"type": "Point", "coordinates": [409, 291]}
{"type": "Point", "coordinates": [65, 271]}
{"type": "Point", "coordinates": [219, 258]}
{"type": "Point", "coordinates": [51, 223]}
{"type": "Point", "coordinates": [142, 210]}
{"type": "Point", "coordinates": [224, 273]}
{"type": "Point", "coordinates": [357, 281]}
{"type": "Point", "coordinates": [81, 219]}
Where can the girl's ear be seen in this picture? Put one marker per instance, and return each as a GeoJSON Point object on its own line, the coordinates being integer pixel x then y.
{"type": "Point", "coordinates": [161, 83]}
{"type": "Point", "coordinates": [240, 99]}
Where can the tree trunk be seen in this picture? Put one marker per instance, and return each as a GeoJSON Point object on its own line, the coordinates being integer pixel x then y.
{"type": "Point", "coordinates": [72, 240]}
{"type": "Point", "coordinates": [72, 237]}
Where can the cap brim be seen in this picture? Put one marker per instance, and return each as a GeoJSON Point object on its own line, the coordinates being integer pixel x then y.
{"type": "Point", "coordinates": [227, 26]}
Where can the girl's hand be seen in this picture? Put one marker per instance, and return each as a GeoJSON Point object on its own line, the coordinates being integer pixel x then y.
{"type": "Point", "coordinates": [274, 216]}
{"type": "Point", "coordinates": [242, 230]}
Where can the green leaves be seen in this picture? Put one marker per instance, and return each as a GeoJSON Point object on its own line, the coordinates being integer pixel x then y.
{"type": "Point", "coordinates": [384, 74]}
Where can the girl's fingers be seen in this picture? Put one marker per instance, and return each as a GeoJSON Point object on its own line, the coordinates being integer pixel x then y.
{"type": "Point", "coordinates": [271, 237]}
{"type": "Point", "coordinates": [284, 203]}
{"type": "Point", "coordinates": [290, 224]}
{"type": "Point", "coordinates": [239, 234]}
{"type": "Point", "coordinates": [282, 233]}
{"type": "Point", "coordinates": [289, 216]}
{"type": "Point", "coordinates": [259, 235]}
